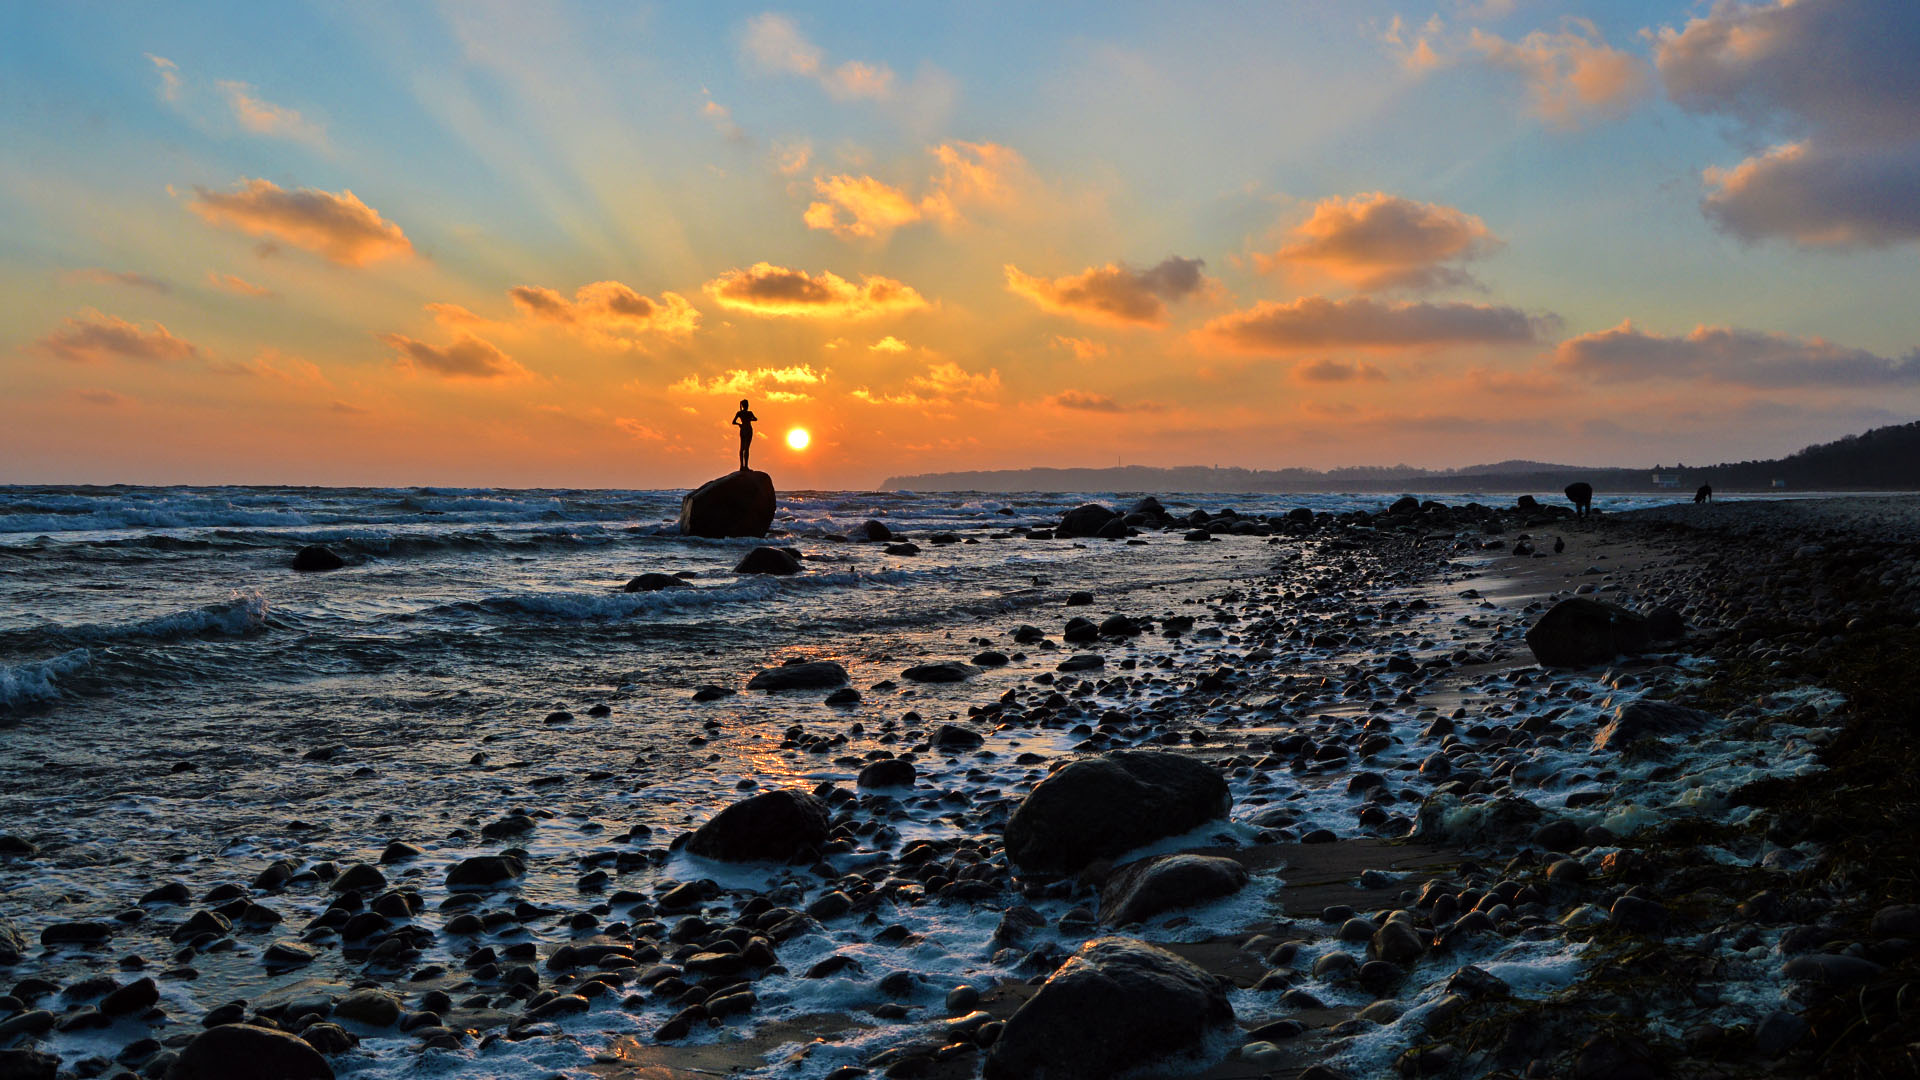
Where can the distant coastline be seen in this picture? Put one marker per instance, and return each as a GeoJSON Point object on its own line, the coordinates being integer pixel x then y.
{"type": "Point", "coordinates": [1883, 459]}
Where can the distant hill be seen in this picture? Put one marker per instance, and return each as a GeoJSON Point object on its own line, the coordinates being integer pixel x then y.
{"type": "Point", "coordinates": [1884, 459]}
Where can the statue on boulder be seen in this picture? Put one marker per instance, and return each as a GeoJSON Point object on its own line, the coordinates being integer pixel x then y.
{"type": "Point", "coordinates": [744, 421]}
{"type": "Point", "coordinates": [737, 504]}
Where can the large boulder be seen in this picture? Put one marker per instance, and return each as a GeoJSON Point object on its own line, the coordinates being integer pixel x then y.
{"type": "Point", "coordinates": [1141, 890]}
{"type": "Point", "coordinates": [1639, 719]}
{"type": "Point", "coordinates": [1583, 633]}
{"type": "Point", "coordinates": [773, 826]}
{"type": "Point", "coordinates": [1099, 807]}
{"type": "Point", "coordinates": [769, 560]}
{"type": "Point", "coordinates": [1084, 520]}
{"type": "Point", "coordinates": [484, 872]}
{"type": "Point", "coordinates": [246, 1052]}
{"type": "Point", "coordinates": [805, 675]}
{"type": "Point", "coordinates": [737, 504]}
{"type": "Point", "coordinates": [1114, 1006]}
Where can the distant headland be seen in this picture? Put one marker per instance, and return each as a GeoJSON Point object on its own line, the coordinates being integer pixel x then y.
{"type": "Point", "coordinates": [1883, 459]}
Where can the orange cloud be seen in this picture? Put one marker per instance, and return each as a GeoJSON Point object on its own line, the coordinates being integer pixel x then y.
{"type": "Point", "coordinates": [133, 279]}
{"type": "Point", "coordinates": [944, 383]}
{"type": "Point", "coordinates": [859, 206]}
{"type": "Point", "coordinates": [970, 174]}
{"type": "Point", "coordinates": [266, 118]}
{"type": "Point", "coordinates": [1081, 401]}
{"type": "Point", "coordinates": [766, 289]}
{"type": "Point", "coordinates": [468, 357]}
{"type": "Point", "coordinates": [1724, 354]}
{"type": "Point", "coordinates": [235, 284]}
{"type": "Point", "coordinates": [636, 429]}
{"type": "Point", "coordinates": [743, 383]}
{"type": "Point", "coordinates": [94, 338]}
{"type": "Point", "coordinates": [337, 226]}
{"type": "Point", "coordinates": [777, 46]}
{"type": "Point", "coordinates": [1315, 322]}
{"type": "Point", "coordinates": [1081, 348]}
{"type": "Point", "coordinates": [1114, 294]}
{"type": "Point", "coordinates": [608, 307]}
{"type": "Point", "coordinates": [1380, 241]}
{"type": "Point", "coordinates": [1572, 74]}
{"type": "Point", "coordinates": [1328, 371]}
{"type": "Point", "coordinates": [275, 365]}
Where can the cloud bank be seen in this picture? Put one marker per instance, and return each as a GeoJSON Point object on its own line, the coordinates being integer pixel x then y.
{"type": "Point", "coordinates": [1379, 241]}
{"type": "Point", "coordinates": [1315, 322]}
{"type": "Point", "coordinates": [766, 289]}
{"type": "Point", "coordinates": [1743, 357]}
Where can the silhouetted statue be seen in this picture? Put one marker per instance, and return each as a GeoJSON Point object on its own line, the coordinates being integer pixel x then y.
{"type": "Point", "coordinates": [1703, 495]}
{"type": "Point", "coordinates": [744, 421]}
{"type": "Point", "coordinates": [1580, 493]}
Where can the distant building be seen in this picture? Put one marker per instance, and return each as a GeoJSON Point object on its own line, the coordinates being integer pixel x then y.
{"type": "Point", "coordinates": [1778, 485]}
{"type": "Point", "coordinates": [1666, 480]}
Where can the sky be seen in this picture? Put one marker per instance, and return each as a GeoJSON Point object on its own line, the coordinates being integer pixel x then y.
{"type": "Point", "coordinates": [532, 244]}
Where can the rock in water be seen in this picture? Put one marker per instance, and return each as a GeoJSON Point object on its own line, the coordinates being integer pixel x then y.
{"type": "Point", "coordinates": [806, 675]}
{"type": "Point", "coordinates": [1639, 719]}
{"type": "Point", "coordinates": [484, 871]}
{"type": "Point", "coordinates": [737, 504]}
{"type": "Point", "coordinates": [315, 557]}
{"type": "Point", "coordinates": [1113, 1006]}
{"type": "Point", "coordinates": [774, 826]}
{"type": "Point", "coordinates": [1582, 633]}
{"type": "Point", "coordinates": [769, 560]}
{"type": "Point", "coordinates": [656, 582]}
{"type": "Point", "coordinates": [1085, 520]}
{"type": "Point", "coordinates": [1099, 807]}
{"type": "Point", "coordinates": [1141, 890]}
{"type": "Point", "coordinates": [246, 1052]}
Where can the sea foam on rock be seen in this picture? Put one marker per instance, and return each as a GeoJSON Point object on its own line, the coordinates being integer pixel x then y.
{"type": "Point", "coordinates": [1115, 1005]}
{"type": "Point", "coordinates": [737, 504]}
{"type": "Point", "coordinates": [1141, 890]}
{"type": "Point", "coordinates": [1099, 807]}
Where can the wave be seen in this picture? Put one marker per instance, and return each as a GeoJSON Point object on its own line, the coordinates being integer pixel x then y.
{"type": "Point", "coordinates": [244, 614]}
{"type": "Point", "coordinates": [28, 684]}
{"type": "Point", "coordinates": [582, 606]}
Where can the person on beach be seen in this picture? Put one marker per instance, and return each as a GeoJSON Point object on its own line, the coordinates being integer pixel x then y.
{"type": "Point", "coordinates": [1703, 495]}
{"type": "Point", "coordinates": [744, 421]}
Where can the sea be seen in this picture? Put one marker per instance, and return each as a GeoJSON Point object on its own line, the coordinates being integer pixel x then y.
{"type": "Point", "coordinates": [178, 704]}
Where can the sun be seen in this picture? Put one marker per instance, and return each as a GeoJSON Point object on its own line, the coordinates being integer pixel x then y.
{"type": "Point", "coordinates": [798, 438]}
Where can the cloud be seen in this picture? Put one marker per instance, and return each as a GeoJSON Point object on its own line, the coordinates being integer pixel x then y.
{"type": "Point", "coordinates": [468, 357]}
{"type": "Point", "coordinates": [1083, 349]}
{"type": "Point", "coordinates": [93, 338]}
{"type": "Point", "coordinates": [1572, 74]}
{"type": "Point", "coordinates": [607, 307]}
{"type": "Point", "coordinates": [1081, 401]}
{"type": "Point", "coordinates": [637, 430]}
{"type": "Point", "coordinates": [1840, 77]}
{"type": "Point", "coordinates": [1114, 294]}
{"type": "Point", "coordinates": [274, 365]}
{"type": "Point", "coordinates": [1721, 354]}
{"type": "Point", "coordinates": [776, 46]}
{"type": "Point", "coordinates": [943, 384]}
{"type": "Point", "coordinates": [337, 226]}
{"type": "Point", "coordinates": [791, 156]}
{"type": "Point", "coordinates": [968, 175]}
{"type": "Point", "coordinates": [265, 118]}
{"type": "Point", "coordinates": [765, 383]}
{"type": "Point", "coordinates": [722, 119]}
{"type": "Point", "coordinates": [133, 279]}
{"type": "Point", "coordinates": [106, 399]}
{"type": "Point", "coordinates": [766, 289]}
{"type": "Point", "coordinates": [889, 344]}
{"type": "Point", "coordinates": [238, 285]}
{"type": "Point", "coordinates": [1331, 371]}
{"type": "Point", "coordinates": [1315, 322]}
{"type": "Point", "coordinates": [1380, 241]}
{"type": "Point", "coordinates": [169, 77]}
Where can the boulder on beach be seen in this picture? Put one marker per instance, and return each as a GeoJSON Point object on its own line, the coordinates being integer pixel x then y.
{"type": "Point", "coordinates": [870, 530]}
{"type": "Point", "coordinates": [803, 675]}
{"type": "Point", "coordinates": [315, 557]}
{"type": "Point", "coordinates": [773, 826]}
{"type": "Point", "coordinates": [484, 871]}
{"type": "Point", "coordinates": [769, 560]}
{"type": "Point", "coordinates": [1641, 719]}
{"type": "Point", "coordinates": [1114, 1006]}
{"type": "Point", "coordinates": [1141, 890]}
{"type": "Point", "coordinates": [1582, 633]}
{"type": "Point", "coordinates": [888, 772]}
{"type": "Point", "coordinates": [1099, 807]}
{"type": "Point", "coordinates": [737, 504]}
{"type": "Point", "coordinates": [247, 1052]}
{"type": "Point", "coordinates": [1085, 520]}
{"type": "Point", "coordinates": [21, 1063]}
{"type": "Point", "coordinates": [656, 582]}
{"type": "Point", "coordinates": [946, 671]}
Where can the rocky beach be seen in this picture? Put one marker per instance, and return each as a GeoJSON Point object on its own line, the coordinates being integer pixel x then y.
{"type": "Point", "coordinates": [1071, 788]}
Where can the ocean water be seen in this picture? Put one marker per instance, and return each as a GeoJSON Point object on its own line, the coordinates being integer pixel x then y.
{"type": "Point", "coordinates": [176, 703]}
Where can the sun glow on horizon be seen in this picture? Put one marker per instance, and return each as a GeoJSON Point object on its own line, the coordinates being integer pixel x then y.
{"type": "Point", "coordinates": [798, 438]}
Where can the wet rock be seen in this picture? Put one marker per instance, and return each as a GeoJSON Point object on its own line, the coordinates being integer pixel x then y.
{"type": "Point", "coordinates": [24, 1064]}
{"type": "Point", "coordinates": [1897, 920]}
{"type": "Point", "coordinates": [1778, 1033]}
{"type": "Point", "coordinates": [315, 557]}
{"type": "Point", "coordinates": [903, 548]}
{"type": "Point", "coordinates": [888, 772]}
{"type": "Point", "coordinates": [776, 826]}
{"type": "Point", "coordinates": [846, 695]}
{"type": "Point", "coordinates": [710, 692]}
{"type": "Point", "coordinates": [655, 583]}
{"type": "Point", "coordinates": [1579, 632]}
{"type": "Point", "coordinates": [329, 1039]}
{"type": "Point", "coordinates": [1831, 969]}
{"type": "Point", "coordinates": [16, 847]}
{"type": "Point", "coordinates": [1100, 807]}
{"type": "Point", "coordinates": [806, 675]}
{"type": "Point", "coordinates": [76, 933]}
{"type": "Point", "coordinates": [12, 943]}
{"type": "Point", "coordinates": [247, 1052]}
{"type": "Point", "coordinates": [1396, 942]}
{"type": "Point", "coordinates": [1638, 915]}
{"type": "Point", "coordinates": [129, 1000]}
{"type": "Point", "coordinates": [955, 737]}
{"type": "Point", "coordinates": [556, 1007]}
{"type": "Point", "coordinates": [737, 504]}
{"type": "Point", "coordinates": [286, 955]}
{"type": "Point", "coordinates": [873, 531]}
{"type": "Point", "coordinates": [1449, 819]}
{"type": "Point", "coordinates": [768, 560]}
{"type": "Point", "coordinates": [484, 871]}
{"type": "Point", "coordinates": [1085, 520]}
{"type": "Point", "coordinates": [1116, 1004]}
{"type": "Point", "coordinates": [1140, 890]}
{"type": "Point", "coordinates": [360, 877]}
{"type": "Point", "coordinates": [375, 1008]}
{"type": "Point", "coordinates": [1642, 718]}
{"type": "Point", "coordinates": [1665, 624]}
{"type": "Point", "coordinates": [946, 671]}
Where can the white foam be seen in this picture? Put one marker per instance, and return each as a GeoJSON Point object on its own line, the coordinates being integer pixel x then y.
{"type": "Point", "coordinates": [24, 684]}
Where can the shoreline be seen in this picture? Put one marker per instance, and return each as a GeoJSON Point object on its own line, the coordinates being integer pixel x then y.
{"type": "Point", "coordinates": [1240, 732]}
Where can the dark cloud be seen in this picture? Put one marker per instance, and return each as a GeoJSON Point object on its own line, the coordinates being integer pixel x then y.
{"type": "Point", "coordinates": [1328, 371]}
{"type": "Point", "coordinates": [1115, 294]}
{"type": "Point", "coordinates": [1082, 401]}
{"type": "Point", "coordinates": [1743, 357]}
{"type": "Point", "coordinates": [467, 357]}
{"type": "Point", "coordinates": [1315, 322]}
{"type": "Point", "coordinates": [92, 337]}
